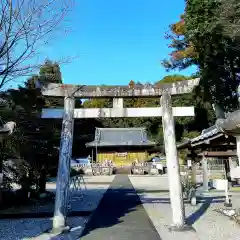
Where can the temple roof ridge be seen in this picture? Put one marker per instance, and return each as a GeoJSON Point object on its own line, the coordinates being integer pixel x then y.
{"type": "Point", "coordinates": [121, 137]}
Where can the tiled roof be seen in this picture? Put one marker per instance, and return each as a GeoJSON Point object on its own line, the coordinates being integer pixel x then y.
{"type": "Point", "coordinates": [230, 125]}
{"type": "Point", "coordinates": [207, 133]}
{"type": "Point", "coordinates": [120, 137]}
{"type": "Point", "coordinates": [204, 136]}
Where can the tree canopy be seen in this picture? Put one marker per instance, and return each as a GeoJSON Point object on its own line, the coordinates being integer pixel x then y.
{"type": "Point", "coordinates": [25, 27]}
{"type": "Point", "coordinates": [207, 36]}
{"type": "Point", "coordinates": [36, 140]}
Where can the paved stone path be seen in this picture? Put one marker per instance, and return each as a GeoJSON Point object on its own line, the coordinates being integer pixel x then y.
{"type": "Point", "coordinates": [120, 215]}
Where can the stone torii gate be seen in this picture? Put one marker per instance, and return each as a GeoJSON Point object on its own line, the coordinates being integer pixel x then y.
{"type": "Point", "coordinates": [118, 93]}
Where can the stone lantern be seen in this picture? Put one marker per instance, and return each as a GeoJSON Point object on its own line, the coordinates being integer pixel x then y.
{"type": "Point", "coordinates": [6, 129]}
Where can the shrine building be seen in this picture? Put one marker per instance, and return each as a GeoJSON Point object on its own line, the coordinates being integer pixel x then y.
{"type": "Point", "coordinates": [122, 146]}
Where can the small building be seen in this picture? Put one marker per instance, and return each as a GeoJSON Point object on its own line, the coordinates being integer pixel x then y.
{"type": "Point", "coordinates": [213, 142]}
{"type": "Point", "coordinates": [216, 150]}
{"type": "Point", "coordinates": [122, 146]}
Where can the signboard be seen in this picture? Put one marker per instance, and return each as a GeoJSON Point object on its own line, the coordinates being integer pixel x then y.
{"type": "Point", "coordinates": [121, 154]}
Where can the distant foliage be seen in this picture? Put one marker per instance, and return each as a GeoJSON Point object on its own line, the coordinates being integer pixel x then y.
{"type": "Point", "coordinates": [184, 125]}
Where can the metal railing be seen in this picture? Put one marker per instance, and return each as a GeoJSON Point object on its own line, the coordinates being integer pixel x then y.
{"type": "Point", "coordinates": [77, 186]}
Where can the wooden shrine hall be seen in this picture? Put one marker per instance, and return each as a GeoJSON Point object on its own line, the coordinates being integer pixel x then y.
{"type": "Point", "coordinates": [213, 142]}
{"type": "Point", "coordinates": [221, 141]}
{"type": "Point", "coordinates": [122, 146]}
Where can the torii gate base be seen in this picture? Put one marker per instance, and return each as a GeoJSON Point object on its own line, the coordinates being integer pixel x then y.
{"type": "Point", "coordinates": [117, 93]}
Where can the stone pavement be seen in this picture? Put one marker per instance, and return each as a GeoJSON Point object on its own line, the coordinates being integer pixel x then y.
{"type": "Point", "coordinates": [208, 224]}
{"type": "Point", "coordinates": [120, 215]}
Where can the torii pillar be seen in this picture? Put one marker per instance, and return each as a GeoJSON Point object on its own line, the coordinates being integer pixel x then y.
{"type": "Point", "coordinates": [174, 177]}
{"type": "Point", "coordinates": [63, 174]}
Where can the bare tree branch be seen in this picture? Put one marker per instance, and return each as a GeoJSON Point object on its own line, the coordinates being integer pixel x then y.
{"type": "Point", "coordinates": [25, 25]}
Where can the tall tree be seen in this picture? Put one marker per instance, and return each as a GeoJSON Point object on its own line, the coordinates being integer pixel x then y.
{"type": "Point", "coordinates": [217, 62]}
{"type": "Point", "coordinates": [183, 53]}
{"type": "Point", "coordinates": [206, 36]}
{"type": "Point", "coordinates": [38, 139]}
{"type": "Point", "coordinates": [50, 72]}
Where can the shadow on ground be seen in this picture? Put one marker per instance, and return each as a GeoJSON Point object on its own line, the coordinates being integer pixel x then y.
{"type": "Point", "coordinates": [120, 214]}
{"type": "Point", "coordinates": [204, 201]}
{"type": "Point", "coordinates": [121, 208]}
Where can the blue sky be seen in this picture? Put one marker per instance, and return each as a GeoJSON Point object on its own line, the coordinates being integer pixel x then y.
{"type": "Point", "coordinates": [116, 41]}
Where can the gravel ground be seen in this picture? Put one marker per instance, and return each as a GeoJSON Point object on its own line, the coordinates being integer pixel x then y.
{"type": "Point", "coordinates": [209, 225]}
{"type": "Point", "coordinates": [26, 229]}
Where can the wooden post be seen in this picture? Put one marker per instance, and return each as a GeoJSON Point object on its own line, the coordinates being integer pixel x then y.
{"type": "Point", "coordinates": [227, 202]}
{"type": "Point", "coordinates": [63, 175]}
{"type": "Point", "coordinates": [174, 178]}
{"type": "Point", "coordinates": [194, 172]}
{"type": "Point", "coordinates": [92, 156]}
{"type": "Point", "coordinates": [205, 174]}
{"type": "Point", "coordinates": [96, 153]}
{"type": "Point", "coordinates": [238, 148]}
